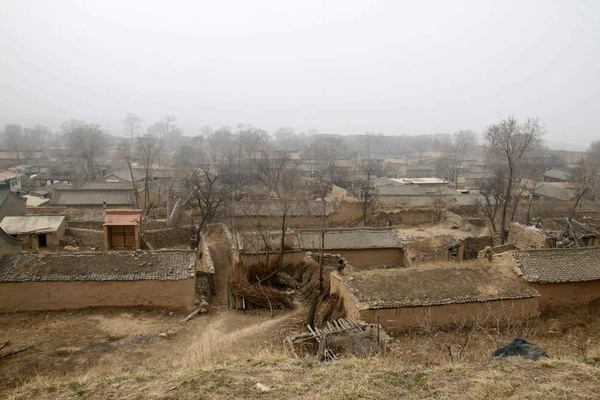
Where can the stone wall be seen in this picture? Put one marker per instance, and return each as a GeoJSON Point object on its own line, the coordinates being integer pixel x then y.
{"type": "Point", "coordinates": [473, 245]}
{"type": "Point", "coordinates": [87, 238]}
{"type": "Point", "coordinates": [169, 238]}
{"type": "Point", "coordinates": [527, 237]}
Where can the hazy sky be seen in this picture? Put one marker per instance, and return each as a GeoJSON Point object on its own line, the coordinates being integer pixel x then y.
{"type": "Point", "coordinates": [338, 66]}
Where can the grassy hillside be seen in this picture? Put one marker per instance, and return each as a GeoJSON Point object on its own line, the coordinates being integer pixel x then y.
{"type": "Point", "coordinates": [372, 378]}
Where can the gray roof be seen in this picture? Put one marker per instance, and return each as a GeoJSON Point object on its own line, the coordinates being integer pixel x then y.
{"type": "Point", "coordinates": [423, 287]}
{"type": "Point", "coordinates": [83, 197]}
{"type": "Point", "coordinates": [554, 192]}
{"type": "Point", "coordinates": [420, 167]}
{"type": "Point", "coordinates": [31, 224]}
{"type": "Point", "coordinates": [431, 200]}
{"type": "Point", "coordinates": [340, 239]}
{"type": "Point", "coordinates": [107, 185]}
{"type": "Point", "coordinates": [125, 174]}
{"type": "Point", "coordinates": [98, 266]}
{"type": "Point", "coordinates": [400, 190]}
{"type": "Point", "coordinates": [274, 208]}
{"type": "Point", "coordinates": [558, 174]}
{"type": "Point", "coordinates": [559, 265]}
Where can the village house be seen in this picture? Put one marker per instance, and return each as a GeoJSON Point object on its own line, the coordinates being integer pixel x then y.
{"type": "Point", "coordinates": [553, 233]}
{"type": "Point", "coordinates": [11, 204]}
{"type": "Point", "coordinates": [122, 229]}
{"type": "Point", "coordinates": [553, 192]}
{"type": "Point", "coordinates": [404, 298]}
{"type": "Point", "coordinates": [557, 175]}
{"type": "Point", "coordinates": [35, 231]}
{"type": "Point", "coordinates": [12, 180]}
{"type": "Point", "coordinates": [360, 247]}
{"type": "Point", "coordinates": [92, 198]}
{"type": "Point", "coordinates": [66, 281]}
{"type": "Point", "coordinates": [561, 276]}
{"type": "Point", "coordinates": [124, 175]}
{"type": "Point", "coordinates": [9, 244]}
{"type": "Point", "coordinates": [418, 171]}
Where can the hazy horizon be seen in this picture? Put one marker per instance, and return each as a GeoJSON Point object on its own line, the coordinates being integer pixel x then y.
{"type": "Point", "coordinates": [340, 67]}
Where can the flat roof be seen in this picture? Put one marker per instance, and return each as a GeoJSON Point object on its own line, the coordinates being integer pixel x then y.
{"type": "Point", "coordinates": [31, 224]}
{"type": "Point", "coordinates": [98, 266]}
{"type": "Point", "coordinates": [422, 286]}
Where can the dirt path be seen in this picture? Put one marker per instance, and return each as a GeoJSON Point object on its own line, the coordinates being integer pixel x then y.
{"type": "Point", "coordinates": [221, 255]}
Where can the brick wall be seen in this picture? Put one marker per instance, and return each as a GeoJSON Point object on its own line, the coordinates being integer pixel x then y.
{"type": "Point", "coordinates": [87, 238]}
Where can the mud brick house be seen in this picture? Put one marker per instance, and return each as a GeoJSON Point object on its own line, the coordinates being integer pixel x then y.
{"type": "Point", "coordinates": [403, 298]}
{"type": "Point", "coordinates": [122, 229]}
{"type": "Point", "coordinates": [59, 281]}
{"type": "Point", "coordinates": [552, 233]}
{"type": "Point", "coordinates": [36, 231]}
{"type": "Point", "coordinates": [561, 276]}
{"type": "Point", "coordinates": [9, 244]}
{"type": "Point", "coordinates": [11, 203]}
{"type": "Point", "coordinates": [557, 175]}
{"type": "Point", "coordinates": [360, 247]}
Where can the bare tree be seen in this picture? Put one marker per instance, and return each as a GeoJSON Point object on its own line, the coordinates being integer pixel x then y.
{"type": "Point", "coordinates": [454, 154]}
{"type": "Point", "coordinates": [13, 136]}
{"type": "Point", "coordinates": [492, 191]}
{"type": "Point", "coordinates": [509, 141]}
{"type": "Point", "coordinates": [208, 196]}
{"type": "Point", "coordinates": [148, 148]}
{"type": "Point", "coordinates": [126, 153]}
{"type": "Point", "coordinates": [585, 175]}
{"type": "Point", "coordinates": [132, 124]}
{"type": "Point", "coordinates": [282, 178]}
{"type": "Point", "coordinates": [86, 142]}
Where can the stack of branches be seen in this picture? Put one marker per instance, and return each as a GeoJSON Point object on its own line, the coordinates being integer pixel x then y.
{"type": "Point", "coordinates": [329, 306]}
{"type": "Point", "coordinates": [254, 283]}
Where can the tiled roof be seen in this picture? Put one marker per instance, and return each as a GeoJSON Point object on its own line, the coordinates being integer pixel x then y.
{"type": "Point", "coordinates": [123, 217]}
{"type": "Point", "coordinates": [559, 265]}
{"type": "Point", "coordinates": [349, 239]}
{"type": "Point", "coordinates": [98, 266]}
{"type": "Point", "coordinates": [107, 185]}
{"type": "Point", "coordinates": [423, 287]}
{"type": "Point", "coordinates": [420, 168]}
{"type": "Point", "coordinates": [399, 190]}
{"type": "Point", "coordinates": [31, 224]}
{"type": "Point", "coordinates": [82, 197]}
{"type": "Point", "coordinates": [554, 192]}
{"type": "Point", "coordinates": [125, 174]}
{"type": "Point", "coordinates": [558, 174]}
{"type": "Point", "coordinates": [274, 208]}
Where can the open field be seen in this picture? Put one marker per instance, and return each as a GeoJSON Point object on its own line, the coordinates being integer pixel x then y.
{"type": "Point", "coordinates": [117, 353]}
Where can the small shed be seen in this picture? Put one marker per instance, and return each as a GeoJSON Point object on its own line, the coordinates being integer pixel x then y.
{"type": "Point", "coordinates": [63, 281]}
{"type": "Point", "coordinates": [561, 276]}
{"type": "Point", "coordinates": [361, 247]}
{"type": "Point", "coordinates": [122, 229]}
{"type": "Point", "coordinates": [403, 298]}
{"type": "Point", "coordinates": [36, 231]}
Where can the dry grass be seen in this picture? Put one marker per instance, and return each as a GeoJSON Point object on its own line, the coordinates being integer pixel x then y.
{"type": "Point", "coordinates": [224, 355]}
{"type": "Point", "coordinates": [371, 378]}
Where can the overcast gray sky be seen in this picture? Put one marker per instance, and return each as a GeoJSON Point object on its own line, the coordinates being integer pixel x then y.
{"type": "Point", "coordinates": [338, 66]}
